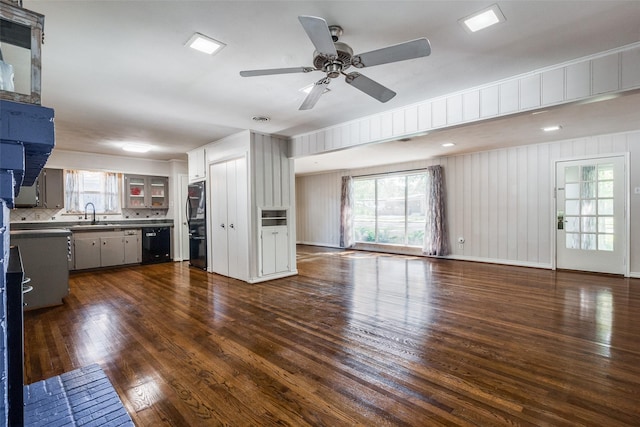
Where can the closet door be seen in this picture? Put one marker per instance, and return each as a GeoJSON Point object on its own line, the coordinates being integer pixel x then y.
{"type": "Point", "coordinates": [237, 191]}
{"type": "Point", "coordinates": [219, 225]}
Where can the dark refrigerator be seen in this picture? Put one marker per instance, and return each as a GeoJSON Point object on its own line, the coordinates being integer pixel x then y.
{"type": "Point", "coordinates": [197, 225]}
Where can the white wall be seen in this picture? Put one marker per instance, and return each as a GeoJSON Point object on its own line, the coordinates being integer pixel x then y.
{"type": "Point", "coordinates": [500, 201]}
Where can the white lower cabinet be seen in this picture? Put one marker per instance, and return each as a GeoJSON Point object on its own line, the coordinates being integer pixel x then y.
{"type": "Point", "coordinates": [275, 249]}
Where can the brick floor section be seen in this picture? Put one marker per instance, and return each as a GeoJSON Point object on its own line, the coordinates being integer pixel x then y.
{"type": "Point", "coordinates": [83, 397]}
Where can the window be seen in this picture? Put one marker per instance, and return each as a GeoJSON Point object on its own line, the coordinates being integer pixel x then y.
{"type": "Point", "coordinates": [390, 209]}
{"type": "Point", "coordinates": [99, 188]}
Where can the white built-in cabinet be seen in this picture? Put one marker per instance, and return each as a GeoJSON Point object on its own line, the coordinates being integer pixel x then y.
{"type": "Point", "coordinates": [274, 241]}
{"type": "Point", "coordinates": [197, 164]}
{"type": "Point", "coordinates": [229, 218]}
{"type": "Point", "coordinates": [250, 181]}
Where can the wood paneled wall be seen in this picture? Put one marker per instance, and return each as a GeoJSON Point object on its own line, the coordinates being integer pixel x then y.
{"type": "Point", "coordinates": [609, 72]}
{"type": "Point", "coordinates": [500, 201]}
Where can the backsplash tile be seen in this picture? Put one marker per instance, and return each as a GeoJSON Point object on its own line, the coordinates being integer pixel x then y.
{"type": "Point", "coordinates": [53, 215]}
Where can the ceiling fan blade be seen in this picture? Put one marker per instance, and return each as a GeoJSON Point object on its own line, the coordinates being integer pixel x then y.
{"type": "Point", "coordinates": [318, 31]}
{"type": "Point", "coordinates": [315, 94]}
{"type": "Point", "coordinates": [399, 52]}
{"type": "Point", "coordinates": [370, 87]}
{"type": "Point", "coordinates": [253, 73]}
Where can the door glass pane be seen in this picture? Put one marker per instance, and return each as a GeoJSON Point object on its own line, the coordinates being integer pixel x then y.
{"type": "Point", "coordinates": [589, 242]}
{"type": "Point", "coordinates": [605, 242]}
{"type": "Point", "coordinates": [571, 174]}
{"type": "Point", "coordinates": [588, 173]}
{"type": "Point", "coordinates": [573, 240]}
{"type": "Point", "coordinates": [589, 224]}
{"type": "Point", "coordinates": [588, 207]}
{"type": "Point", "coordinates": [605, 171]}
{"type": "Point", "coordinates": [605, 224]}
{"type": "Point", "coordinates": [572, 191]}
{"type": "Point", "coordinates": [573, 224]}
{"type": "Point", "coordinates": [605, 207]}
{"type": "Point", "coordinates": [588, 190]}
{"type": "Point", "coordinates": [605, 189]}
{"type": "Point", "coordinates": [572, 207]}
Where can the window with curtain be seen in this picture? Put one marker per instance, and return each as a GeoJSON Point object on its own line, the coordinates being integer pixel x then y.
{"type": "Point", "coordinates": [390, 209]}
{"type": "Point", "coordinates": [99, 188]}
{"type": "Point", "coordinates": [402, 209]}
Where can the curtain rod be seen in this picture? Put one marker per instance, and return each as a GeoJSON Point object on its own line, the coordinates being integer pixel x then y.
{"type": "Point", "coordinates": [393, 173]}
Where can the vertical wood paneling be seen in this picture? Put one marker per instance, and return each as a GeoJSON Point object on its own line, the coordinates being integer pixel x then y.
{"type": "Point", "coordinates": [578, 83]}
{"type": "Point", "coordinates": [546, 222]}
{"type": "Point", "coordinates": [424, 116]}
{"type": "Point", "coordinates": [398, 123]}
{"type": "Point", "coordinates": [630, 64]}
{"type": "Point", "coordinates": [605, 74]}
{"type": "Point", "coordinates": [553, 86]}
{"type": "Point", "coordinates": [489, 101]}
{"type": "Point", "coordinates": [502, 207]}
{"type": "Point", "coordinates": [500, 201]}
{"type": "Point", "coordinates": [530, 90]}
{"type": "Point", "coordinates": [439, 113]}
{"type": "Point", "coordinates": [411, 119]}
{"type": "Point", "coordinates": [533, 206]}
{"type": "Point", "coordinates": [471, 105]}
{"type": "Point", "coordinates": [484, 196]}
{"type": "Point", "coordinates": [493, 203]}
{"type": "Point", "coordinates": [512, 204]}
{"type": "Point", "coordinates": [509, 97]}
{"type": "Point", "coordinates": [454, 109]}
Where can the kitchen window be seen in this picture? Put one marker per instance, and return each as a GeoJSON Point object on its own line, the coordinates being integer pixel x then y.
{"type": "Point", "coordinates": [390, 209]}
{"type": "Point", "coordinates": [99, 188]}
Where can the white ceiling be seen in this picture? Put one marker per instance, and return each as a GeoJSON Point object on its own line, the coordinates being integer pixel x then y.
{"type": "Point", "coordinates": [118, 71]}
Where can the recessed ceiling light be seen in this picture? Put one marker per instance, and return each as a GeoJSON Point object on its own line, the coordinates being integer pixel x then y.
{"type": "Point", "coordinates": [260, 119]}
{"type": "Point", "coordinates": [204, 44]}
{"type": "Point", "coordinates": [482, 19]}
{"type": "Point", "coordinates": [136, 148]}
{"type": "Point", "coordinates": [448, 144]}
{"type": "Point", "coordinates": [551, 128]}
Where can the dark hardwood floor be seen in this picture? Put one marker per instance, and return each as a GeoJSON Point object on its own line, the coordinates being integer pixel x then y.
{"type": "Point", "coordinates": [356, 338]}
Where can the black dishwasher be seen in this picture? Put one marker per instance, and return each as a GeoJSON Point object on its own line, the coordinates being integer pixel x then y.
{"type": "Point", "coordinates": [156, 244]}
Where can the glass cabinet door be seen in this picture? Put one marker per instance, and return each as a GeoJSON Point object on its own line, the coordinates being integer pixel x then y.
{"type": "Point", "coordinates": [158, 190]}
{"type": "Point", "coordinates": [135, 192]}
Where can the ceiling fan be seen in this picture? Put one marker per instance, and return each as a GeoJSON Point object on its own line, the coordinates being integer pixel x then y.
{"type": "Point", "coordinates": [333, 58]}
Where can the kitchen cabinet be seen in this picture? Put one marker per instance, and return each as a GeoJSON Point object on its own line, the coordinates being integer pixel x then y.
{"type": "Point", "coordinates": [132, 247]}
{"type": "Point", "coordinates": [197, 164]}
{"type": "Point", "coordinates": [230, 234]}
{"type": "Point", "coordinates": [46, 192]}
{"type": "Point", "coordinates": [146, 192]}
{"type": "Point", "coordinates": [52, 188]}
{"type": "Point", "coordinates": [106, 248]}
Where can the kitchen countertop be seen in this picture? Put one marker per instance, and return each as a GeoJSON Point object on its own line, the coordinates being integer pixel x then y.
{"type": "Point", "coordinates": [87, 226]}
{"type": "Point", "coordinates": [52, 232]}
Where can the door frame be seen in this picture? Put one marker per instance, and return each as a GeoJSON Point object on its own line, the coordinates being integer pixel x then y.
{"type": "Point", "coordinates": [627, 204]}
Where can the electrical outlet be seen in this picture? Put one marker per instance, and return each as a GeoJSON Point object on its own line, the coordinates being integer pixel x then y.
{"type": "Point", "coordinates": [37, 216]}
{"type": "Point", "coordinates": [461, 240]}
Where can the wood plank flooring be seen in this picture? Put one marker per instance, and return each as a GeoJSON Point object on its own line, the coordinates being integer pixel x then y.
{"type": "Point", "coordinates": [356, 338]}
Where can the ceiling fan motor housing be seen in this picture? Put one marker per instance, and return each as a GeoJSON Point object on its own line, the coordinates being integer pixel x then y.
{"type": "Point", "coordinates": [333, 67]}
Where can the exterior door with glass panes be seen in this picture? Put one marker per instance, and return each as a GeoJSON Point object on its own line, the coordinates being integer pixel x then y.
{"type": "Point", "coordinates": [590, 223]}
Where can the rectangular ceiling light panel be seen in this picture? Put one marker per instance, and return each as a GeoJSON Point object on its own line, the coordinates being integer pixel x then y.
{"type": "Point", "coordinates": [204, 44]}
{"type": "Point", "coordinates": [482, 19]}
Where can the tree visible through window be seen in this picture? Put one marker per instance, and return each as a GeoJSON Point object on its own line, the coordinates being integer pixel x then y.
{"type": "Point", "coordinates": [99, 188]}
{"type": "Point", "coordinates": [390, 209]}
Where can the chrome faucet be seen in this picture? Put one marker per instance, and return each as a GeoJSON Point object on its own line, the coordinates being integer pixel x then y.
{"type": "Point", "coordinates": [93, 221]}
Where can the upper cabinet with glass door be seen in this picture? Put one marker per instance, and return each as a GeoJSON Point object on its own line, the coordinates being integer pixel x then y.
{"type": "Point", "coordinates": [146, 192]}
{"type": "Point", "coordinates": [20, 53]}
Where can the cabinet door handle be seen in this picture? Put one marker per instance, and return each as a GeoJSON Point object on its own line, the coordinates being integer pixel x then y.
{"type": "Point", "coordinates": [104, 243]}
{"type": "Point", "coordinates": [231, 226]}
{"type": "Point", "coordinates": [275, 232]}
{"type": "Point", "coordinates": [222, 225]}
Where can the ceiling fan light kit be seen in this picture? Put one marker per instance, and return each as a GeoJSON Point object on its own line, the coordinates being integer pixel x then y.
{"type": "Point", "coordinates": [334, 57]}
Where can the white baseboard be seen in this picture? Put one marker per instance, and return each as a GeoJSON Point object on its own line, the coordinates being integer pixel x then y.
{"type": "Point", "coordinates": [326, 245]}
{"type": "Point", "coordinates": [516, 263]}
{"type": "Point", "coordinates": [634, 274]}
